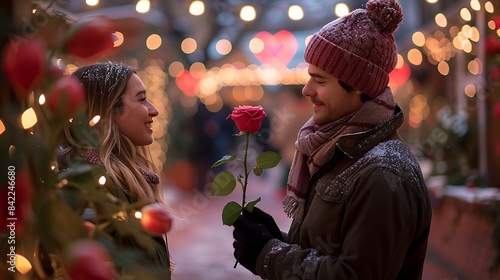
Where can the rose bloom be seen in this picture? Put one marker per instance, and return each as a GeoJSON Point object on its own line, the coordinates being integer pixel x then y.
{"type": "Point", "coordinates": [248, 118]}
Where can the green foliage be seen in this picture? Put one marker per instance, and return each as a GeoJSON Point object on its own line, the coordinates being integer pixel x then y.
{"type": "Point", "coordinates": [225, 182]}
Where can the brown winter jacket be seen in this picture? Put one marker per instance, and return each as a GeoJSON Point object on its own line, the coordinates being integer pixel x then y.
{"type": "Point", "coordinates": [367, 215]}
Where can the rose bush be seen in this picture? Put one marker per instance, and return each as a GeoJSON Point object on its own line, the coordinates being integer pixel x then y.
{"type": "Point", "coordinates": [156, 220]}
{"type": "Point", "coordinates": [248, 118]}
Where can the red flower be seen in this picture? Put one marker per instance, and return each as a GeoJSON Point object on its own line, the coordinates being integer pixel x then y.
{"type": "Point", "coordinates": [248, 118]}
{"type": "Point", "coordinates": [156, 220]}
{"type": "Point", "coordinates": [66, 96]}
{"type": "Point", "coordinates": [23, 63]}
{"type": "Point", "coordinates": [90, 38]}
{"type": "Point", "coordinates": [88, 259]}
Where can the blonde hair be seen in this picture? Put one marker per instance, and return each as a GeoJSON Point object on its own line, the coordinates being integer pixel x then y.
{"type": "Point", "coordinates": [105, 85]}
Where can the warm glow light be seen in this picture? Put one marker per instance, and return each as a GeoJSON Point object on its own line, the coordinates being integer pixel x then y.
{"type": "Point", "coordinates": [341, 9]}
{"type": "Point", "coordinates": [441, 20]}
{"type": "Point", "coordinates": [189, 45]}
{"type": "Point", "coordinates": [2, 127]}
{"type": "Point", "coordinates": [467, 46]}
{"type": "Point", "coordinates": [432, 1]}
{"type": "Point", "coordinates": [492, 25]}
{"type": "Point", "coordinates": [22, 264]}
{"type": "Point", "coordinates": [119, 39]}
{"type": "Point", "coordinates": [418, 38]}
{"type": "Point", "coordinates": [256, 45]}
{"type": "Point", "coordinates": [175, 68]}
{"type": "Point", "coordinates": [443, 68]}
{"type": "Point", "coordinates": [138, 215]}
{"type": "Point", "coordinates": [475, 67]}
{"type": "Point", "coordinates": [295, 12]}
{"type": "Point", "coordinates": [470, 90]}
{"type": "Point", "coordinates": [92, 2]}
{"type": "Point", "coordinates": [415, 57]}
{"type": "Point", "coordinates": [400, 62]}
{"type": "Point", "coordinates": [197, 8]}
{"type": "Point", "coordinates": [153, 41]}
{"type": "Point", "coordinates": [247, 13]}
{"type": "Point", "coordinates": [102, 180]}
{"type": "Point", "coordinates": [28, 118]}
{"type": "Point", "coordinates": [465, 14]}
{"type": "Point", "coordinates": [143, 6]}
{"type": "Point", "coordinates": [475, 5]}
{"type": "Point", "coordinates": [223, 46]}
{"type": "Point", "coordinates": [41, 99]}
{"type": "Point", "coordinates": [488, 6]}
{"type": "Point", "coordinates": [94, 120]}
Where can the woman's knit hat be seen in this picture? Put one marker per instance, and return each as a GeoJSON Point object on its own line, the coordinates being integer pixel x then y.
{"type": "Point", "coordinates": [359, 49]}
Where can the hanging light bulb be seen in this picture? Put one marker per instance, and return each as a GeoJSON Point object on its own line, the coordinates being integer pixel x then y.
{"type": "Point", "coordinates": [143, 6]}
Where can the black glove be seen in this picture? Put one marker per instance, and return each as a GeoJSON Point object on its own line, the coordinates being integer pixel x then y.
{"type": "Point", "coordinates": [262, 217]}
{"type": "Point", "coordinates": [249, 239]}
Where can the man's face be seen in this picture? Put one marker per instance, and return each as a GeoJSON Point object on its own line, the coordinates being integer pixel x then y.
{"type": "Point", "coordinates": [330, 101]}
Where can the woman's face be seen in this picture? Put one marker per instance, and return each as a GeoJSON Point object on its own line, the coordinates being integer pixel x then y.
{"type": "Point", "coordinates": [136, 117]}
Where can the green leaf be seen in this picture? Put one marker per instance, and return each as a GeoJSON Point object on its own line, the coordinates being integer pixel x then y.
{"type": "Point", "coordinates": [268, 159]}
{"type": "Point", "coordinates": [230, 213]}
{"type": "Point", "coordinates": [257, 171]}
{"type": "Point", "coordinates": [224, 159]}
{"type": "Point", "coordinates": [250, 205]}
{"type": "Point", "coordinates": [223, 184]}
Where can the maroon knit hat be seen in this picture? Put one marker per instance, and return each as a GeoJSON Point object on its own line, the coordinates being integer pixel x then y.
{"type": "Point", "coordinates": [359, 49]}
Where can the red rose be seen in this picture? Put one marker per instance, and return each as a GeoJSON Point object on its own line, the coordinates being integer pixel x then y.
{"type": "Point", "coordinates": [156, 220]}
{"type": "Point", "coordinates": [24, 63]}
{"type": "Point", "coordinates": [88, 259]}
{"type": "Point", "coordinates": [66, 96]}
{"type": "Point", "coordinates": [90, 38]}
{"type": "Point", "coordinates": [248, 118]}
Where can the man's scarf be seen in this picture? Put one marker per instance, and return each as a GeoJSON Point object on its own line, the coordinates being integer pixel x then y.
{"type": "Point", "coordinates": [315, 146]}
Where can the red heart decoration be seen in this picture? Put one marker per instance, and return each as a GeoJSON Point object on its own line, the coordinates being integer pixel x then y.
{"type": "Point", "coordinates": [279, 49]}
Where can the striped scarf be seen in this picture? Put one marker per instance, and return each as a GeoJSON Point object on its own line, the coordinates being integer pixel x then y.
{"type": "Point", "coordinates": [315, 146]}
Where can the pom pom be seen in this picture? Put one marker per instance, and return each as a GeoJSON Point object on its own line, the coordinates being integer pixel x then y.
{"type": "Point", "coordinates": [386, 14]}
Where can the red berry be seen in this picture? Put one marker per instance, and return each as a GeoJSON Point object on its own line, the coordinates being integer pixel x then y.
{"type": "Point", "coordinates": [156, 220]}
{"type": "Point", "coordinates": [66, 96]}
{"type": "Point", "coordinates": [23, 63]}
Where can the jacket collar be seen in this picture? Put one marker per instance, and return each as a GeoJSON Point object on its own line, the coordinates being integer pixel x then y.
{"type": "Point", "coordinates": [357, 144]}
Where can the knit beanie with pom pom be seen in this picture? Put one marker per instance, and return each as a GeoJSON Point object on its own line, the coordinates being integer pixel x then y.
{"type": "Point", "coordinates": [359, 49]}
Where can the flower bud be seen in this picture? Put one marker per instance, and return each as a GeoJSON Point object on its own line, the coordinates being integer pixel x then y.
{"type": "Point", "coordinates": [23, 63]}
{"type": "Point", "coordinates": [66, 96]}
{"type": "Point", "coordinates": [88, 259]}
{"type": "Point", "coordinates": [89, 38]}
{"type": "Point", "coordinates": [156, 220]}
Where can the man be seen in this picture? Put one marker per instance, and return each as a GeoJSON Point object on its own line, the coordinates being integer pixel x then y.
{"type": "Point", "coordinates": [356, 194]}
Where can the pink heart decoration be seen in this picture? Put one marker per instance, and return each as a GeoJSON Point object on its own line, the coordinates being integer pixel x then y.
{"type": "Point", "coordinates": [279, 49]}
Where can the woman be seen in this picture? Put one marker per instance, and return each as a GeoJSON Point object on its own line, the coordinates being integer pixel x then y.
{"type": "Point", "coordinates": [122, 134]}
